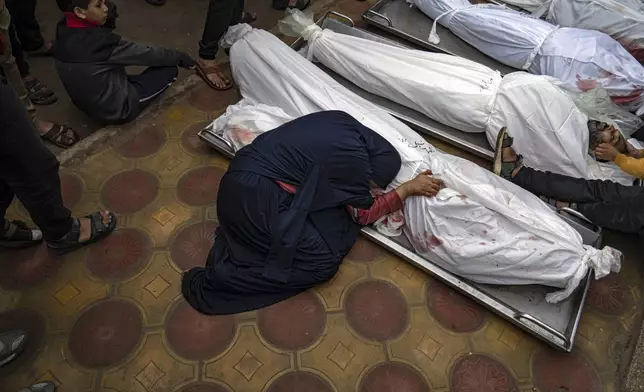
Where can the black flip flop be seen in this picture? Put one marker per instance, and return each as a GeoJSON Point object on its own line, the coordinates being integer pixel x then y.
{"type": "Point", "coordinates": [70, 241]}
{"type": "Point", "coordinates": [56, 135]}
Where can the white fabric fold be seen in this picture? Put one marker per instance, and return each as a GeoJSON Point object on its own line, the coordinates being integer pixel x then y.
{"type": "Point", "coordinates": [480, 227]}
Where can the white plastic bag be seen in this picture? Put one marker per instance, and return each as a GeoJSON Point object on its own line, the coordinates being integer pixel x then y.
{"type": "Point", "coordinates": [243, 122]}
{"type": "Point", "coordinates": [581, 59]}
{"type": "Point", "coordinates": [268, 71]}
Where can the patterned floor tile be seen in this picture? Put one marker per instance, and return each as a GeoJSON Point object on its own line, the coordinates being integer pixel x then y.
{"type": "Point", "coordinates": [155, 288]}
{"type": "Point", "coordinates": [341, 355]}
{"type": "Point", "coordinates": [53, 365]}
{"type": "Point", "coordinates": [112, 318]}
{"type": "Point", "coordinates": [430, 347]}
{"type": "Point", "coordinates": [249, 364]}
{"type": "Point", "coordinates": [62, 298]}
{"type": "Point", "coordinates": [153, 369]}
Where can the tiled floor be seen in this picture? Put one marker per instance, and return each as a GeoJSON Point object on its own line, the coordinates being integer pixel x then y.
{"type": "Point", "coordinates": [111, 317]}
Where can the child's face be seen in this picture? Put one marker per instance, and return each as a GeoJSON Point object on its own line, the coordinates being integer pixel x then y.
{"type": "Point", "coordinates": [96, 12]}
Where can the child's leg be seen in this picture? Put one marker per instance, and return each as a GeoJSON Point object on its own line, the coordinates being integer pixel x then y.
{"type": "Point", "coordinates": [152, 82]}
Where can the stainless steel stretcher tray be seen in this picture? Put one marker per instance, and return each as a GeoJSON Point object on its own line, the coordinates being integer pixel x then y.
{"type": "Point", "coordinates": [523, 306]}
{"type": "Point", "coordinates": [409, 23]}
{"type": "Point", "coordinates": [475, 143]}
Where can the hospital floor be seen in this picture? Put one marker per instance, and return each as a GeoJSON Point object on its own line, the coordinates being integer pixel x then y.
{"type": "Point", "coordinates": [111, 317]}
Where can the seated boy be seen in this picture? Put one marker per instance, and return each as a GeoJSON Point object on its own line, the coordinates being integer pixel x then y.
{"type": "Point", "coordinates": [91, 61]}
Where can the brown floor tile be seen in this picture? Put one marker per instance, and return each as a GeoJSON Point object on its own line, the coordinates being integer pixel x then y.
{"type": "Point", "coordinates": [111, 318]}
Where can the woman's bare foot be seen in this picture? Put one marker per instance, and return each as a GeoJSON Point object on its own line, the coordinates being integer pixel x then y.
{"type": "Point", "coordinates": [217, 78]}
{"type": "Point", "coordinates": [86, 226]}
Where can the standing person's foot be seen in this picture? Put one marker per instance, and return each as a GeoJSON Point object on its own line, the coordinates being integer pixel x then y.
{"type": "Point", "coordinates": [12, 344]}
{"type": "Point", "coordinates": [16, 234]}
{"type": "Point", "coordinates": [156, 3]}
{"type": "Point", "coordinates": [85, 231]}
{"type": "Point", "coordinates": [39, 93]}
{"type": "Point", "coordinates": [213, 75]}
{"type": "Point", "coordinates": [46, 386]}
{"type": "Point", "coordinates": [58, 134]}
{"type": "Point", "coordinates": [47, 50]}
{"type": "Point", "coordinates": [507, 162]}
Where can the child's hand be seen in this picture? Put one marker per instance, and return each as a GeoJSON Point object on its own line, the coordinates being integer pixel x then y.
{"type": "Point", "coordinates": [606, 152]}
{"type": "Point", "coordinates": [185, 61]}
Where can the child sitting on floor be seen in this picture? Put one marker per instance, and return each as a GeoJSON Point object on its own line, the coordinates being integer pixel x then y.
{"type": "Point", "coordinates": [91, 61]}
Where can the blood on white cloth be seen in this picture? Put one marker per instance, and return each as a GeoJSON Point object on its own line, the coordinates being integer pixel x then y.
{"type": "Point", "coordinates": [621, 19]}
{"type": "Point", "coordinates": [581, 59]}
{"type": "Point", "coordinates": [549, 129]}
{"type": "Point", "coordinates": [480, 226]}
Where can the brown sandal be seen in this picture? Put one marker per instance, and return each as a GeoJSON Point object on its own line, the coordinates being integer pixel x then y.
{"type": "Point", "coordinates": [204, 72]}
{"type": "Point", "coordinates": [58, 135]}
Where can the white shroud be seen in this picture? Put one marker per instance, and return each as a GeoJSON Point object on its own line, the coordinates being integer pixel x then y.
{"type": "Point", "coordinates": [581, 59]}
{"type": "Point", "coordinates": [621, 19]}
{"type": "Point", "coordinates": [480, 227]}
{"type": "Point", "coordinates": [548, 128]}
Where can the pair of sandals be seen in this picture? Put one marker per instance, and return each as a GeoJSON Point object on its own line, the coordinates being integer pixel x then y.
{"type": "Point", "coordinates": [39, 93]}
{"type": "Point", "coordinates": [205, 72]}
{"type": "Point", "coordinates": [18, 235]}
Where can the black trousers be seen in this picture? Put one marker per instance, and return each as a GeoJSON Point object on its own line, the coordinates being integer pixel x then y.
{"type": "Point", "coordinates": [23, 15]}
{"type": "Point", "coordinates": [29, 170]}
{"type": "Point", "coordinates": [606, 203]}
{"type": "Point", "coordinates": [152, 82]}
{"type": "Point", "coordinates": [18, 53]}
{"type": "Point", "coordinates": [221, 14]}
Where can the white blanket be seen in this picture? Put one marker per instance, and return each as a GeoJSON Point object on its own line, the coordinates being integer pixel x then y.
{"type": "Point", "coordinates": [480, 227]}
{"type": "Point", "coordinates": [548, 128]}
{"type": "Point", "coordinates": [621, 19]}
{"type": "Point", "coordinates": [581, 59]}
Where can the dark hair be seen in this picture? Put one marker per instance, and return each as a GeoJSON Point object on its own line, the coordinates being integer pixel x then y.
{"type": "Point", "coordinates": [593, 135]}
{"type": "Point", "coordinates": [69, 5]}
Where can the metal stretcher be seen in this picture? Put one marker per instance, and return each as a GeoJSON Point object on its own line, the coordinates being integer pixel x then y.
{"type": "Point", "coordinates": [475, 143]}
{"type": "Point", "coordinates": [524, 306]}
{"type": "Point", "coordinates": [410, 24]}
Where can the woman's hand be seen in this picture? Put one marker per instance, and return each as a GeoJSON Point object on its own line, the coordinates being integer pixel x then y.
{"type": "Point", "coordinates": [423, 185]}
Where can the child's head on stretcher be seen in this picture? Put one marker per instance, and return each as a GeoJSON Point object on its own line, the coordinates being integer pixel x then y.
{"type": "Point", "coordinates": [600, 132]}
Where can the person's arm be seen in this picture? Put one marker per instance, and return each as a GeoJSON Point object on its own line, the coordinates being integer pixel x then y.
{"type": "Point", "coordinates": [631, 165]}
{"type": "Point", "coordinates": [392, 201]}
{"type": "Point", "coordinates": [131, 53]}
